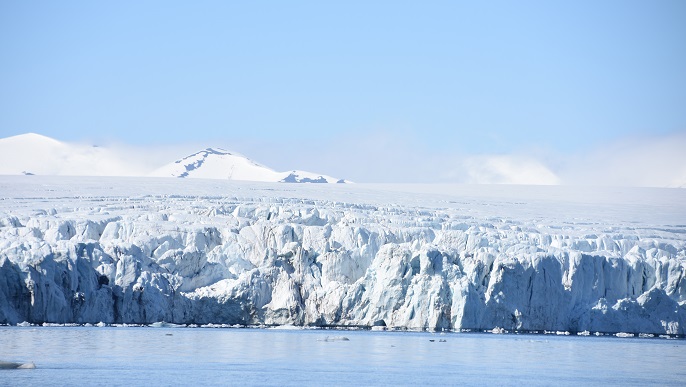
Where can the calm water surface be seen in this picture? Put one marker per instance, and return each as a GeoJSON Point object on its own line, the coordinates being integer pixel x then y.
{"type": "Point", "coordinates": [118, 356]}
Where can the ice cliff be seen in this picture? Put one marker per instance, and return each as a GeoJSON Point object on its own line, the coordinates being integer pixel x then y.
{"type": "Point", "coordinates": [239, 254]}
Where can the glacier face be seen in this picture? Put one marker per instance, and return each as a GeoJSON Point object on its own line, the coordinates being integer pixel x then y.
{"type": "Point", "coordinates": [523, 258]}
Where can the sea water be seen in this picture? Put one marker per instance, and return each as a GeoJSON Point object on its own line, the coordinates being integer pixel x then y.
{"type": "Point", "coordinates": [145, 356]}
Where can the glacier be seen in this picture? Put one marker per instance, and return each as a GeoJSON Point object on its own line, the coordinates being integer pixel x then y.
{"type": "Point", "coordinates": [421, 257]}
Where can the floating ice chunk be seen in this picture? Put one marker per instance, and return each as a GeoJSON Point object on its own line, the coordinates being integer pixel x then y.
{"type": "Point", "coordinates": [8, 365]}
{"type": "Point", "coordinates": [163, 324]}
{"type": "Point", "coordinates": [334, 338]}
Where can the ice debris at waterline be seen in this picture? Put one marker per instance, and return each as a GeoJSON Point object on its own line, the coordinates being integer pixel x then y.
{"type": "Point", "coordinates": [139, 251]}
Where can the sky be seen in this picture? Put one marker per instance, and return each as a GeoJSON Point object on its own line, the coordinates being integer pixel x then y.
{"type": "Point", "coordinates": [539, 92]}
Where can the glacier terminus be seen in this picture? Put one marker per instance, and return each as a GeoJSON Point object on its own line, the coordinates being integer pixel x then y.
{"type": "Point", "coordinates": [418, 257]}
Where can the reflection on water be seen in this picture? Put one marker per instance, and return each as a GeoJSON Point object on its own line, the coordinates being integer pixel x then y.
{"type": "Point", "coordinates": [205, 356]}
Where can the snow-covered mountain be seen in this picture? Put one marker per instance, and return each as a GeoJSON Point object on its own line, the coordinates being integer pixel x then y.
{"type": "Point", "coordinates": [130, 250]}
{"type": "Point", "coordinates": [34, 154]}
{"type": "Point", "coordinates": [217, 163]}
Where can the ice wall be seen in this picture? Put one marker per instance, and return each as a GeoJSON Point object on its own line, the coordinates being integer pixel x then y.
{"type": "Point", "coordinates": [292, 261]}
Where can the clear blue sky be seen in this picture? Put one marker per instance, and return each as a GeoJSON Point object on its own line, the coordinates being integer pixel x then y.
{"type": "Point", "coordinates": [465, 77]}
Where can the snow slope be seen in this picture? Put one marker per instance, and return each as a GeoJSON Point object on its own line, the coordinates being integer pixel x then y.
{"type": "Point", "coordinates": [216, 163]}
{"type": "Point", "coordinates": [134, 250]}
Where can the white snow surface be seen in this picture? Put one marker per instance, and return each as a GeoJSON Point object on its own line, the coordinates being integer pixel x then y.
{"type": "Point", "coordinates": [537, 258]}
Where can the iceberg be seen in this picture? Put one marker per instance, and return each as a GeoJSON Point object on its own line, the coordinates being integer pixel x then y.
{"type": "Point", "coordinates": [483, 258]}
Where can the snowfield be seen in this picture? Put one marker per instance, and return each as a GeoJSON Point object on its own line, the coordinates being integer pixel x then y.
{"type": "Point", "coordinates": [144, 250]}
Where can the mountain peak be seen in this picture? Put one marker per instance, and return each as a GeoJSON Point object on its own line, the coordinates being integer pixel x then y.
{"type": "Point", "coordinates": [218, 163]}
{"type": "Point", "coordinates": [204, 154]}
